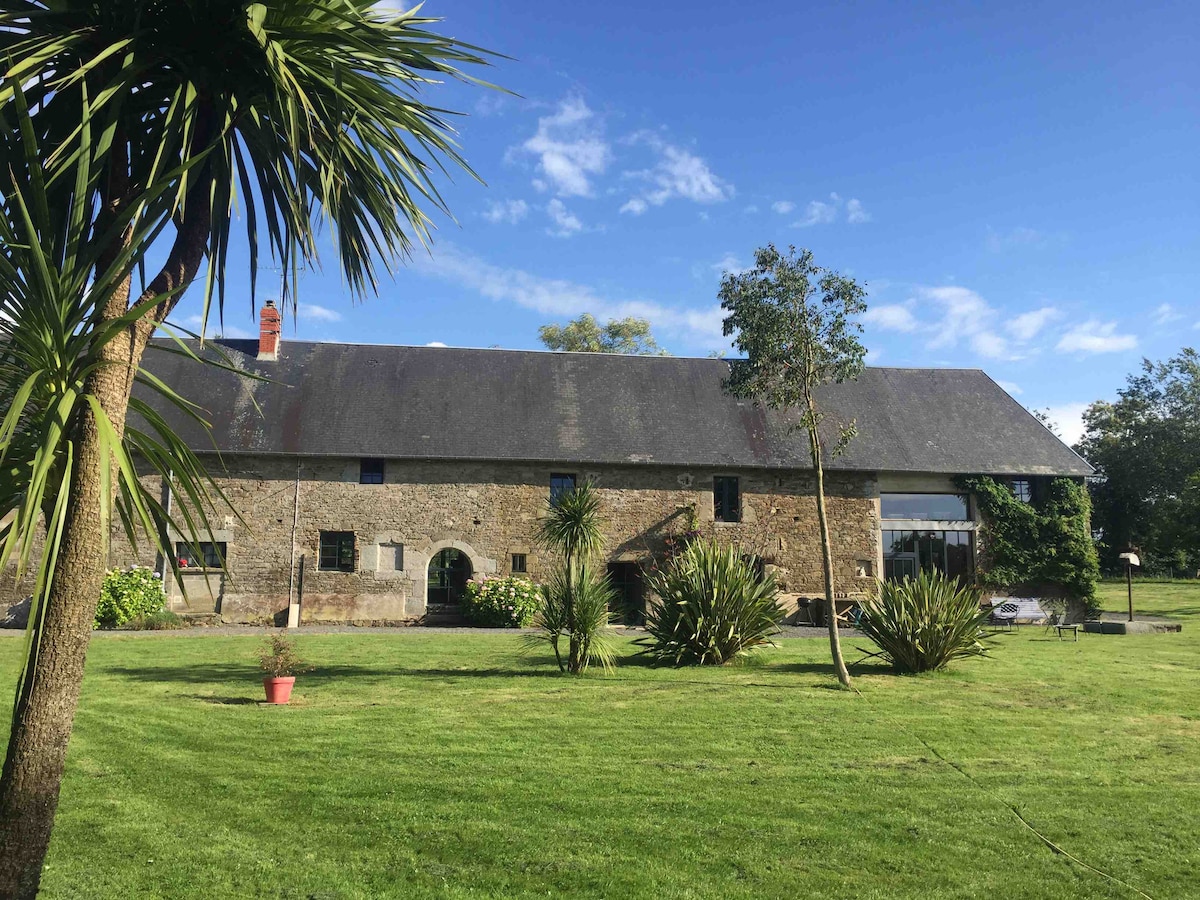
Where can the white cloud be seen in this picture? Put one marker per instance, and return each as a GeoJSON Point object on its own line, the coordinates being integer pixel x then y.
{"type": "Point", "coordinates": [1094, 336]}
{"type": "Point", "coordinates": [966, 316]}
{"type": "Point", "coordinates": [215, 327]}
{"type": "Point", "coordinates": [319, 313]}
{"type": "Point", "coordinates": [560, 298]}
{"type": "Point", "coordinates": [510, 211]}
{"type": "Point", "coordinates": [731, 264]}
{"type": "Point", "coordinates": [570, 147]}
{"type": "Point", "coordinates": [819, 212]}
{"type": "Point", "coordinates": [678, 173]}
{"type": "Point", "coordinates": [435, 344]}
{"type": "Point", "coordinates": [750, 210]}
{"type": "Point", "coordinates": [566, 223]}
{"type": "Point", "coordinates": [822, 212]}
{"type": "Point", "coordinates": [783, 207]}
{"type": "Point", "coordinates": [1068, 419]}
{"type": "Point", "coordinates": [1012, 387]}
{"type": "Point", "coordinates": [891, 318]}
{"type": "Point", "coordinates": [855, 214]}
{"type": "Point", "coordinates": [1165, 314]}
{"type": "Point", "coordinates": [1026, 326]}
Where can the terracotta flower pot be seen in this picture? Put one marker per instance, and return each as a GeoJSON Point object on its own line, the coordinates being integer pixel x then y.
{"type": "Point", "coordinates": [279, 690]}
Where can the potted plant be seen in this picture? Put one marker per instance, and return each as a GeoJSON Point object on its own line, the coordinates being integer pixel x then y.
{"type": "Point", "coordinates": [279, 660]}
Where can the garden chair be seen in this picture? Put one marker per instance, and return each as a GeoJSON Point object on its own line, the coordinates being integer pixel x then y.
{"type": "Point", "coordinates": [1004, 615]}
{"type": "Point", "coordinates": [1058, 621]}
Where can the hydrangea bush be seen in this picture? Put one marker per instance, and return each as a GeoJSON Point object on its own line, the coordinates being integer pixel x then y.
{"type": "Point", "coordinates": [129, 594]}
{"type": "Point", "coordinates": [501, 602]}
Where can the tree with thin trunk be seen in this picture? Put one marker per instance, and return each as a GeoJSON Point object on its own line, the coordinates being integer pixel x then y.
{"type": "Point", "coordinates": [797, 324]}
{"type": "Point", "coordinates": [302, 114]}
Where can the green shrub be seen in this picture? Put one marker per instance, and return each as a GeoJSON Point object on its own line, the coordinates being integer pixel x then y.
{"type": "Point", "coordinates": [128, 594]}
{"type": "Point", "coordinates": [277, 658]}
{"type": "Point", "coordinates": [575, 605]}
{"type": "Point", "coordinates": [921, 624]}
{"type": "Point", "coordinates": [501, 602]}
{"type": "Point", "coordinates": [713, 607]}
{"type": "Point", "coordinates": [163, 620]}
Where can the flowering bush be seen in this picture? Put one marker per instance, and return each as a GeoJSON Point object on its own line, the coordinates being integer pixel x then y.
{"type": "Point", "coordinates": [127, 595]}
{"type": "Point", "coordinates": [501, 602]}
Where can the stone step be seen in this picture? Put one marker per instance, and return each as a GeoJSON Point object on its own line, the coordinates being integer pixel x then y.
{"type": "Point", "coordinates": [443, 615]}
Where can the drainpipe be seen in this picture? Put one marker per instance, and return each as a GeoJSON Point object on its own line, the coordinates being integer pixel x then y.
{"type": "Point", "coordinates": [293, 619]}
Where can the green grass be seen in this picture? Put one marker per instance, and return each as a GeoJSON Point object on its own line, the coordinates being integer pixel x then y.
{"type": "Point", "coordinates": [421, 765]}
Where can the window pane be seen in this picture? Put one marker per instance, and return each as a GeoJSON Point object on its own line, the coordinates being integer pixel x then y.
{"type": "Point", "coordinates": [518, 562]}
{"type": "Point", "coordinates": [560, 484]}
{"type": "Point", "coordinates": [211, 555]}
{"type": "Point", "coordinates": [937, 507]}
{"type": "Point", "coordinates": [1022, 489]}
{"type": "Point", "coordinates": [370, 471]}
{"type": "Point", "coordinates": [336, 551]}
{"type": "Point", "coordinates": [726, 499]}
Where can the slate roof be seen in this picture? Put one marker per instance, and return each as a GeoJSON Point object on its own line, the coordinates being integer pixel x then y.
{"type": "Point", "coordinates": [444, 403]}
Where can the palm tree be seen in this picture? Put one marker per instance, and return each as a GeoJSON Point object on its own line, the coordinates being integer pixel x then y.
{"type": "Point", "coordinates": [305, 113]}
{"type": "Point", "coordinates": [577, 597]}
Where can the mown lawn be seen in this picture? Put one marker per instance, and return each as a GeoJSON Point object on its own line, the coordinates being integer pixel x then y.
{"type": "Point", "coordinates": [422, 765]}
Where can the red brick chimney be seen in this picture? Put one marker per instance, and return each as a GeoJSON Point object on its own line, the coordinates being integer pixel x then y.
{"type": "Point", "coordinates": [269, 330]}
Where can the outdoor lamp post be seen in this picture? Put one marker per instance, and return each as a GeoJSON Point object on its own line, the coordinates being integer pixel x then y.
{"type": "Point", "coordinates": [1131, 560]}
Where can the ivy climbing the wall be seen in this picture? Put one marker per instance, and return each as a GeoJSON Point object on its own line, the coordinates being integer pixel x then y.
{"type": "Point", "coordinates": [1045, 545]}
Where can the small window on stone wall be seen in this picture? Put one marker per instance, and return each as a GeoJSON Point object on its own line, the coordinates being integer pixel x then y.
{"type": "Point", "coordinates": [370, 471]}
{"type": "Point", "coordinates": [336, 551]}
{"type": "Point", "coordinates": [560, 483]}
{"type": "Point", "coordinates": [519, 563]}
{"type": "Point", "coordinates": [1022, 489]}
{"type": "Point", "coordinates": [211, 555]}
{"type": "Point", "coordinates": [727, 506]}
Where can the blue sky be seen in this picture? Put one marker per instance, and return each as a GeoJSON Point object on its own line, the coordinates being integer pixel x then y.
{"type": "Point", "coordinates": [1017, 184]}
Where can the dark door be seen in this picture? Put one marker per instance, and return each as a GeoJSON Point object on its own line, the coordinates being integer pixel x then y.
{"type": "Point", "coordinates": [449, 572]}
{"type": "Point", "coordinates": [629, 606]}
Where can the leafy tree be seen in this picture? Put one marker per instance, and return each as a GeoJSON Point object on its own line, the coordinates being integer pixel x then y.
{"type": "Point", "coordinates": [303, 112]}
{"type": "Point", "coordinates": [796, 322]}
{"type": "Point", "coordinates": [1146, 449]}
{"type": "Point", "coordinates": [585, 335]}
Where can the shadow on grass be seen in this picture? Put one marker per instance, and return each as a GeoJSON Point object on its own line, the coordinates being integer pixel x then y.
{"type": "Point", "coordinates": [209, 673]}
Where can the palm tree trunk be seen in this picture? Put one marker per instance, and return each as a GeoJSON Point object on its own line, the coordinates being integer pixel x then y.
{"type": "Point", "coordinates": [45, 710]}
{"type": "Point", "coordinates": [835, 643]}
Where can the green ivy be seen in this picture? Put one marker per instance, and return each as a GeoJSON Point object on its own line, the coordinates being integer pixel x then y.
{"type": "Point", "coordinates": [1045, 543]}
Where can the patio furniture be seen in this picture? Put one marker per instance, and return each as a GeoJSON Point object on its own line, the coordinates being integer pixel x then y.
{"type": "Point", "coordinates": [1004, 615]}
{"type": "Point", "coordinates": [1058, 622]}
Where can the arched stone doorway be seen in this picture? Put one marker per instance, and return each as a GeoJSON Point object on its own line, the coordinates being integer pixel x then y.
{"type": "Point", "coordinates": [449, 571]}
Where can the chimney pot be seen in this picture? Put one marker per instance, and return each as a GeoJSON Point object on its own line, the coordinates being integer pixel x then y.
{"type": "Point", "coordinates": [269, 331]}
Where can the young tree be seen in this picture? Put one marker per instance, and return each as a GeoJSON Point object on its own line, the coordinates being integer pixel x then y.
{"type": "Point", "coordinates": [577, 596]}
{"type": "Point", "coordinates": [311, 111]}
{"type": "Point", "coordinates": [797, 325]}
{"type": "Point", "coordinates": [585, 335]}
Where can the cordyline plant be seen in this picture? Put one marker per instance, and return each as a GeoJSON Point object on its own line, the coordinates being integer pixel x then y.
{"type": "Point", "coordinates": [797, 325]}
{"type": "Point", "coordinates": [303, 113]}
{"type": "Point", "coordinates": [577, 596]}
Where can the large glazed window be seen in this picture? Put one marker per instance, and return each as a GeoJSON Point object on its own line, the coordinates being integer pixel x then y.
{"type": "Point", "coordinates": [907, 552]}
{"type": "Point", "coordinates": [927, 507]}
{"type": "Point", "coordinates": [727, 500]}
{"type": "Point", "coordinates": [560, 483]}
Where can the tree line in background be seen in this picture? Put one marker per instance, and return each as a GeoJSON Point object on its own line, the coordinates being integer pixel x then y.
{"type": "Point", "coordinates": [1145, 447]}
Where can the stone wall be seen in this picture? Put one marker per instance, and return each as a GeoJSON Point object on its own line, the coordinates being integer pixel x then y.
{"type": "Point", "coordinates": [490, 511]}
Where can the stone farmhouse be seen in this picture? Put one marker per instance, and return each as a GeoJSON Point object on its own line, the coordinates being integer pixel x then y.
{"type": "Point", "coordinates": [373, 481]}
